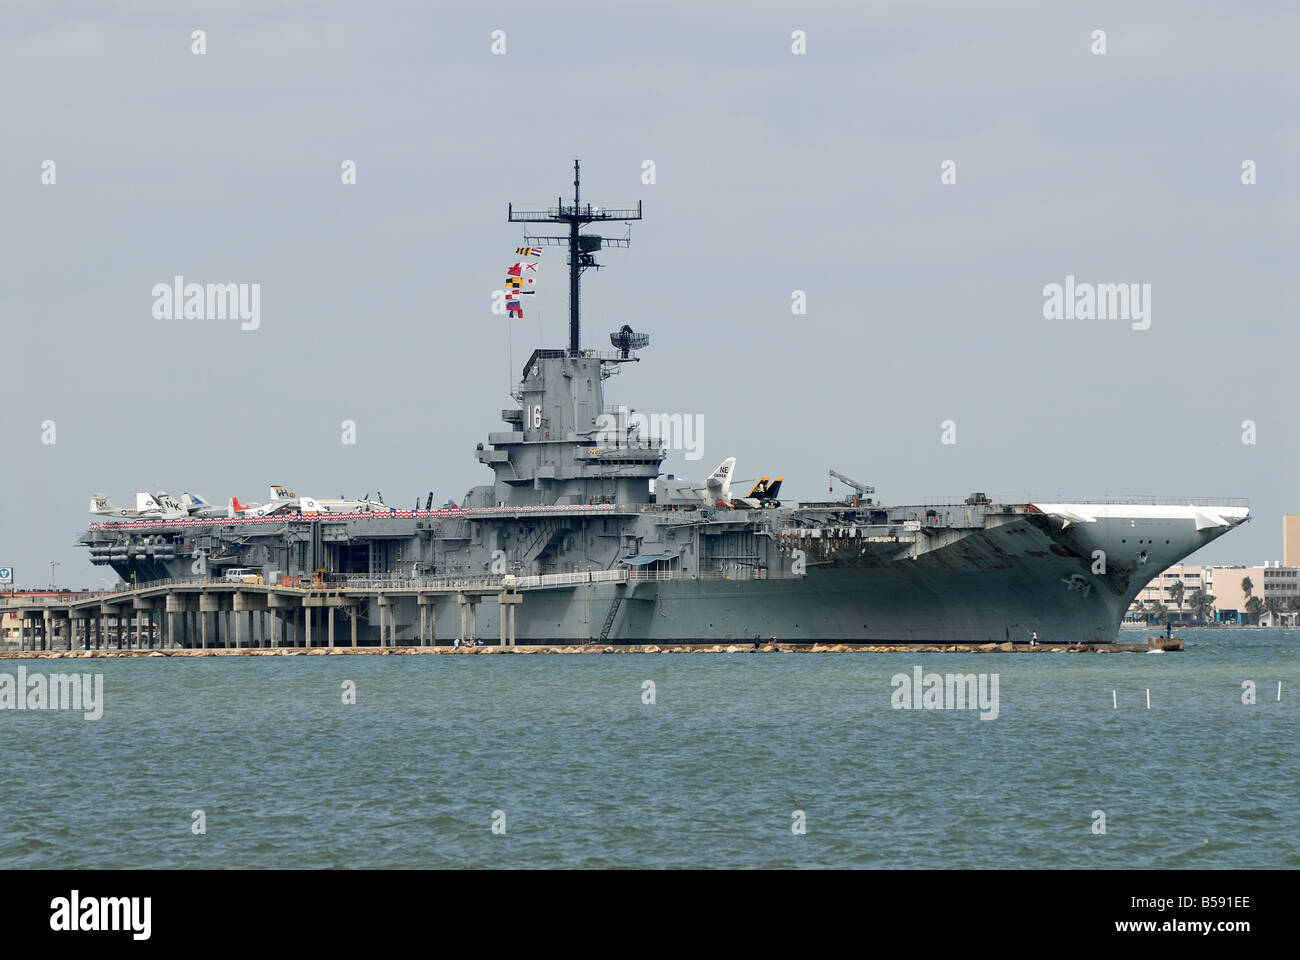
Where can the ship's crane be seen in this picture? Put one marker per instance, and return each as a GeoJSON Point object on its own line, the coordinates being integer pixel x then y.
{"type": "Point", "coordinates": [863, 491]}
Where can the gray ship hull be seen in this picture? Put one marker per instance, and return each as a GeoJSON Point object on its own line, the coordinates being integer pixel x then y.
{"type": "Point", "coordinates": [970, 573]}
{"type": "Point", "coordinates": [835, 605]}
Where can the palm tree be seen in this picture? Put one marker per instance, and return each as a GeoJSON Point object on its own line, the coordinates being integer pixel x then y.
{"type": "Point", "coordinates": [1155, 611]}
{"type": "Point", "coordinates": [1201, 603]}
{"type": "Point", "coordinates": [1177, 590]}
{"type": "Point", "coordinates": [1254, 606]}
{"type": "Point", "coordinates": [1274, 606]}
{"type": "Point", "coordinates": [1246, 586]}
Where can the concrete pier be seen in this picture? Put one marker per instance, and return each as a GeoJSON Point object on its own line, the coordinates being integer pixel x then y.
{"type": "Point", "coordinates": [218, 615]}
{"type": "Point", "coordinates": [509, 603]}
{"type": "Point", "coordinates": [428, 620]}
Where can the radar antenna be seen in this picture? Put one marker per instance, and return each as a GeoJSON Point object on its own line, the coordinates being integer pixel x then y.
{"type": "Point", "coordinates": [582, 246]}
{"type": "Point", "coordinates": [627, 340]}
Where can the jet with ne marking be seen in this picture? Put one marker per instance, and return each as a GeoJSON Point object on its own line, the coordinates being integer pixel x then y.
{"type": "Point", "coordinates": [674, 492]}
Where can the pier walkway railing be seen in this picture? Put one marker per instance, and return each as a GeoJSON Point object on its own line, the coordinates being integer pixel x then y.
{"type": "Point", "coordinates": [372, 585]}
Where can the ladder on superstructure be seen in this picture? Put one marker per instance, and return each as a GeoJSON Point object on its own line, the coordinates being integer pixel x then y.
{"type": "Point", "coordinates": [614, 604]}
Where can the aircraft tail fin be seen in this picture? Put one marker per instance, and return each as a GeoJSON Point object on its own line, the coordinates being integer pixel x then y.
{"type": "Point", "coordinates": [171, 507]}
{"type": "Point", "coordinates": [719, 482]}
{"type": "Point", "coordinates": [100, 504]}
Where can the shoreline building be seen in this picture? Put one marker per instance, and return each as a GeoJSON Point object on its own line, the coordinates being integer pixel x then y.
{"type": "Point", "coordinates": [1232, 586]}
{"type": "Point", "coordinates": [1227, 585]}
{"type": "Point", "coordinates": [1291, 540]}
{"type": "Point", "coordinates": [1161, 590]}
{"type": "Point", "coordinates": [1272, 580]}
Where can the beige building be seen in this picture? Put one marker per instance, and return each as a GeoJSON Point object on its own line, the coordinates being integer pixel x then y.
{"type": "Point", "coordinates": [1291, 540]}
{"type": "Point", "coordinates": [1267, 581]}
{"type": "Point", "coordinates": [1225, 585]}
{"type": "Point", "coordinates": [1160, 589]}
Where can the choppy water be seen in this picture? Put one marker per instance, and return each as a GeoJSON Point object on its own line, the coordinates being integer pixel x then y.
{"type": "Point", "coordinates": [589, 776]}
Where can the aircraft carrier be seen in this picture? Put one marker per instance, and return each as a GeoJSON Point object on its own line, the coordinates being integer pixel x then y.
{"type": "Point", "coordinates": [580, 537]}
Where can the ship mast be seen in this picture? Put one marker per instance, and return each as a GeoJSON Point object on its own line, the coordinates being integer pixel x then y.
{"type": "Point", "coordinates": [582, 246]}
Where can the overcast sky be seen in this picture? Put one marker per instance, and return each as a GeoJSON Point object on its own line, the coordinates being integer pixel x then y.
{"type": "Point", "coordinates": [775, 172]}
